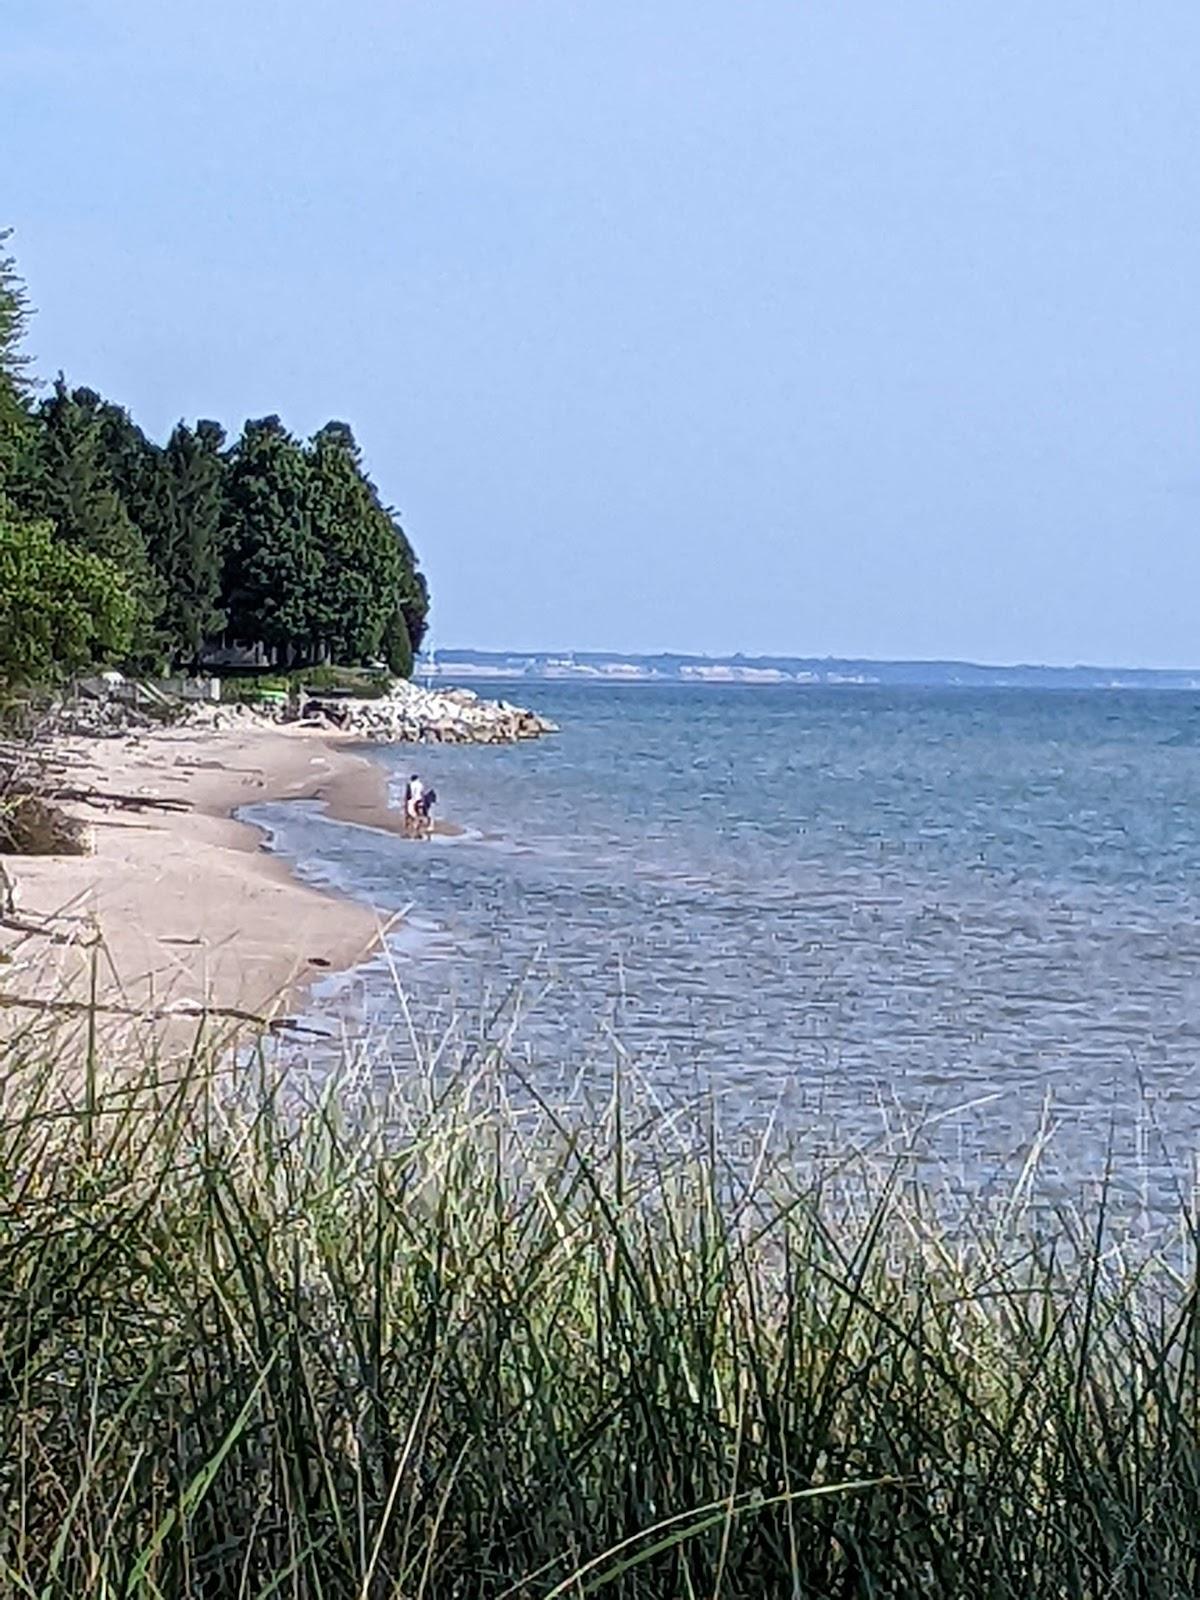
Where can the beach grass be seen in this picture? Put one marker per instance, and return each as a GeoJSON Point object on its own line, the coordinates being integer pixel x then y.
{"type": "Point", "coordinates": [413, 1333]}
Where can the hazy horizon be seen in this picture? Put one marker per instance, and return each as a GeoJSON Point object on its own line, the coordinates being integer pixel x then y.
{"type": "Point", "coordinates": [862, 332]}
{"type": "Point", "coordinates": [800, 655]}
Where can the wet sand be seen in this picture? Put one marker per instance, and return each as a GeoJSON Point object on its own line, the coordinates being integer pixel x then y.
{"type": "Point", "coordinates": [179, 913]}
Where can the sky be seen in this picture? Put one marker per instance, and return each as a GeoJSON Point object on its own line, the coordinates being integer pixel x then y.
{"type": "Point", "coordinates": [862, 328]}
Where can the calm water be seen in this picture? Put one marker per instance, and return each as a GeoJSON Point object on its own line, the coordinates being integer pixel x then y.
{"type": "Point", "coordinates": [856, 908]}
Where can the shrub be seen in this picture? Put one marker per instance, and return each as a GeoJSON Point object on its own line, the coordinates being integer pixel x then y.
{"type": "Point", "coordinates": [61, 608]}
{"type": "Point", "coordinates": [360, 682]}
{"type": "Point", "coordinates": [248, 690]}
{"type": "Point", "coordinates": [363, 682]}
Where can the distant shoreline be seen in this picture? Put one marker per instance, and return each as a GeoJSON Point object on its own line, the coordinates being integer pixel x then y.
{"type": "Point", "coordinates": [801, 671]}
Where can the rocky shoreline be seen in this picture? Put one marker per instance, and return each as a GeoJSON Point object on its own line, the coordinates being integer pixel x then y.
{"type": "Point", "coordinates": [409, 714]}
{"type": "Point", "coordinates": [405, 713]}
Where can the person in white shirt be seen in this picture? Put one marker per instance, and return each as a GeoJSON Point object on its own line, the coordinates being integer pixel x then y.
{"type": "Point", "coordinates": [414, 793]}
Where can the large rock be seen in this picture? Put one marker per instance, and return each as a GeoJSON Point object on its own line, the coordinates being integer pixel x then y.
{"type": "Point", "coordinates": [409, 714]}
{"type": "Point", "coordinates": [406, 714]}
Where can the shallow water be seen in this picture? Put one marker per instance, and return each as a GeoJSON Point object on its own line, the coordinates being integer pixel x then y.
{"type": "Point", "coordinates": [858, 908]}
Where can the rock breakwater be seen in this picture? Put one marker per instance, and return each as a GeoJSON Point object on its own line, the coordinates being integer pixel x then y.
{"type": "Point", "coordinates": [409, 714]}
{"type": "Point", "coordinates": [405, 713]}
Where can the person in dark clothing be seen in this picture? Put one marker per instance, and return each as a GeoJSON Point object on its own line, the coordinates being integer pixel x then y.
{"type": "Point", "coordinates": [423, 807]}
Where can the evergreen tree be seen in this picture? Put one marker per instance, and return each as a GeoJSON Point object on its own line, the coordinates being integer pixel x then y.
{"type": "Point", "coordinates": [14, 319]}
{"type": "Point", "coordinates": [195, 471]}
{"type": "Point", "coordinates": [412, 590]}
{"type": "Point", "coordinates": [274, 572]}
{"type": "Point", "coordinates": [274, 543]}
{"type": "Point", "coordinates": [179, 508]}
{"type": "Point", "coordinates": [130, 458]}
{"type": "Point", "coordinates": [73, 488]}
{"type": "Point", "coordinates": [377, 599]}
{"type": "Point", "coordinates": [15, 384]}
{"type": "Point", "coordinates": [396, 646]}
{"type": "Point", "coordinates": [136, 469]}
{"type": "Point", "coordinates": [359, 553]}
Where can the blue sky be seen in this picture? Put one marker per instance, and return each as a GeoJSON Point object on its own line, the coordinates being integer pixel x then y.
{"type": "Point", "coordinates": [850, 328]}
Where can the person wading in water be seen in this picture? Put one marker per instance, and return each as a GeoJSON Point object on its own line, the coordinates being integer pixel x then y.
{"type": "Point", "coordinates": [425, 813]}
{"type": "Point", "coordinates": [418, 808]}
{"type": "Point", "coordinates": [414, 793]}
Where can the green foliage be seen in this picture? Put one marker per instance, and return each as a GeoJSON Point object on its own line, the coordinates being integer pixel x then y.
{"type": "Point", "coordinates": [399, 581]}
{"type": "Point", "coordinates": [14, 320]}
{"type": "Point", "coordinates": [396, 646]}
{"type": "Point", "coordinates": [61, 608]}
{"type": "Point", "coordinates": [413, 591]}
{"type": "Point", "coordinates": [352, 682]}
{"type": "Point", "coordinates": [272, 545]}
{"type": "Point", "coordinates": [156, 512]}
{"type": "Point", "coordinates": [387, 1334]}
{"type": "Point", "coordinates": [315, 568]}
{"type": "Point", "coordinates": [274, 568]}
{"type": "Point", "coordinates": [246, 688]}
{"type": "Point", "coordinates": [358, 552]}
{"type": "Point", "coordinates": [184, 536]}
{"type": "Point", "coordinates": [75, 489]}
{"type": "Point", "coordinates": [127, 453]}
{"type": "Point", "coordinates": [361, 682]}
{"type": "Point", "coordinates": [15, 385]}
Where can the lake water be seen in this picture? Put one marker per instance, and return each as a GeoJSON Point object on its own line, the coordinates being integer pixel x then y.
{"type": "Point", "coordinates": [856, 909]}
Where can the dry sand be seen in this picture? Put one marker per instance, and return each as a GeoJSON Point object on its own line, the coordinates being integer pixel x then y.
{"type": "Point", "coordinates": [182, 911]}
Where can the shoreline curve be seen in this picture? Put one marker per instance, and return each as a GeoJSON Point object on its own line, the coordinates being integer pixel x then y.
{"type": "Point", "coordinates": [181, 914]}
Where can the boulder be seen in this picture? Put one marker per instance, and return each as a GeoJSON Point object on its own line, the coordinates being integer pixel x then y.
{"type": "Point", "coordinates": [409, 714]}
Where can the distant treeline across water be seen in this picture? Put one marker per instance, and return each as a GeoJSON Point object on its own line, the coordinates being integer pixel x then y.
{"type": "Point", "coordinates": [611, 665]}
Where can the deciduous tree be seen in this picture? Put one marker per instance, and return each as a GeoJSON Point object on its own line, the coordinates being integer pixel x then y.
{"type": "Point", "coordinates": [62, 608]}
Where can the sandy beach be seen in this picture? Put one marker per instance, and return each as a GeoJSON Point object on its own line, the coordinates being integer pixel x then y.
{"type": "Point", "coordinates": [181, 911]}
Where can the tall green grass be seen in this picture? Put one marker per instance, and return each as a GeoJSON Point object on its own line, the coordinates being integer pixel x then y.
{"type": "Point", "coordinates": [264, 1333]}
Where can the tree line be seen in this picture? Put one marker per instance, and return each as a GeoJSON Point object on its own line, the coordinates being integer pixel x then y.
{"type": "Point", "coordinates": [117, 549]}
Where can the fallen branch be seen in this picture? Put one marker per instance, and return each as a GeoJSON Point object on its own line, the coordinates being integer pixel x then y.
{"type": "Point", "coordinates": [126, 802]}
{"type": "Point", "coordinates": [183, 1008]}
{"type": "Point", "coordinates": [25, 789]}
{"type": "Point", "coordinates": [37, 929]}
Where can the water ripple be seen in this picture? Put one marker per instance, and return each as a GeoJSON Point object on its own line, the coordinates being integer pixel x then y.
{"type": "Point", "coordinates": [837, 897]}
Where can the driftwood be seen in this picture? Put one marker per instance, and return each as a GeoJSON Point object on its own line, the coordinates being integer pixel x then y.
{"type": "Point", "coordinates": [33, 823]}
{"type": "Point", "coordinates": [186, 1009]}
{"type": "Point", "coordinates": [27, 771]}
{"type": "Point", "coordinates": [39, 779]}
{"type": "Point", "coordinates": [45, 752]}
{"type": "Point", "coordinates": [129, 802]}
{"type": "Point", "coordinates": [37, 929]}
